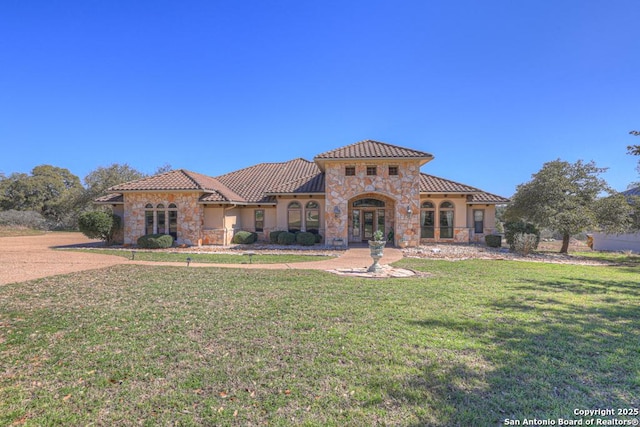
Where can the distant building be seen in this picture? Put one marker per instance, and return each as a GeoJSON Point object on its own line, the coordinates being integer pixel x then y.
{"type": "Point", "coordinates": [619, 242]}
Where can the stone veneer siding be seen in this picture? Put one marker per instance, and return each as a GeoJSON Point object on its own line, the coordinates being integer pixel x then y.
{"type": "Point", "coordinates": [403, 189]}
{"type": "Point", "coordinates": [190, 214]}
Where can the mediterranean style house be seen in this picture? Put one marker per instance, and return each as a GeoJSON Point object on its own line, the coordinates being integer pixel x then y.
{"type": "Point", "coordinates": [345, 195]}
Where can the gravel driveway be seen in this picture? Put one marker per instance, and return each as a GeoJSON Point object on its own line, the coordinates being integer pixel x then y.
{"type": "Point", "coordinates": [33, 257]}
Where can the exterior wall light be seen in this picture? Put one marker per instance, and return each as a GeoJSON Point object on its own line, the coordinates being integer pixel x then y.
{"type": "Point", "coordinates": [336, 211]}
{"type": "Point", "coordinates": [409, 211]}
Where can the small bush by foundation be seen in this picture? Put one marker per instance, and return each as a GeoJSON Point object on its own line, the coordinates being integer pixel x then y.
{"type": "Point", "coordinates": [155, 241]}
{"type": "Point", "coordinates": [244, 237]}
{"type": "Point", "coordinates": [493, 240]}
{"type": "Point", "coordinates": [305, 239]}
{"type": "Point", "coordinates": [273, 236]}
{"type": "Point", "coordinates": [286, 238]}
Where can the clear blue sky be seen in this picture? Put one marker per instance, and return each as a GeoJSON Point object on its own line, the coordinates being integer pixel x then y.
{"type": "Point", "coordinates": [492, 88]}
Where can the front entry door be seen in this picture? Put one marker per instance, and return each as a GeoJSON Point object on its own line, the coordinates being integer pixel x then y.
{"type": "Point", "coordinates": [368, 225]}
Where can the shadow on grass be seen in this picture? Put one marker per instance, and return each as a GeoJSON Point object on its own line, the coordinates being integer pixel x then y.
{"type": "Point", "coordinates": [536, 356]}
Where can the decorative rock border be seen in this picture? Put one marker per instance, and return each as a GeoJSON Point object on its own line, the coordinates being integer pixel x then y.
{"type": "Point", "coordinates": [386, 272]}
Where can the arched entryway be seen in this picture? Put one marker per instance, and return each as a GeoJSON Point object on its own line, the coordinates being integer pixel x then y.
{"type": "Point", "coordinates": [369, 213]}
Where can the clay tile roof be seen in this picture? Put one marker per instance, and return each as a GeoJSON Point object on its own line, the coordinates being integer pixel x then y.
{"type": "Point", "coordinates": [255, 183]}
{"type": "Point", "coordinates": [371, 150]}
{"type": "Point", "coordinates": [307, 184]}
{"type": "Point", "coordinates": [179, 180]}
{"type": "Point", "coordinates": [434, 184]}
{"type": "Point", "coordinates": [488, 198]}
{"type": "Point", "coordinates": [116, 198]}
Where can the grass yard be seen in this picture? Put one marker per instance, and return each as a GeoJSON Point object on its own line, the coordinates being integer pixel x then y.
{"type": "Point", "coordinates": [211, 258]}
{"type": "Point", "coordinates": [18, 231]}
{"type": "Point", "coordinates": [475, 344]}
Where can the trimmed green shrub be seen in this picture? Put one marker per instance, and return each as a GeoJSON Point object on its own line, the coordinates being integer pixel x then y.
{"type": "Point", "coordinates": [155, 241]}
{"type": "Point", "coordinates": [511, 228]}
{"type": "Point", "coordinates": [244, 237]}
{"type": "Point", "coordinates": [286, 238]}
{"type": "Point", "coordinates": [273, 236]}
{"type": "Point", "coordinates": [305, 238]}
{"type": "Point", "coordinates": [318, 238]}
{"type": "Point", "coordinates": [99, 225]}
{"type": "Point", "coordinates": [493, 240]}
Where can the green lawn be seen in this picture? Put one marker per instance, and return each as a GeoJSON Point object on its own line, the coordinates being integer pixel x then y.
{"type": "Point", "coordinates": [209, 258]}
{"type": "Point", "coordinates": [475, 343]}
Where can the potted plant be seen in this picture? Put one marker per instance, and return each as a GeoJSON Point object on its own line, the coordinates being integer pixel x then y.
{"type": "Point", "coordinates": [376, 246]}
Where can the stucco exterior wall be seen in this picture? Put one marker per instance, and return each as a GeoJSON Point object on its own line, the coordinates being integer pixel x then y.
{"type": "Point", "coordinates": [402, 188]}
{"type": "Point", "coordinates": [190, 214]}
{"type": "Point", "coordinates": [462, 222]}
{"type": "Point", "coordinates": [213, 217]}
{"type": "Point", "coordinates": [489, 221]}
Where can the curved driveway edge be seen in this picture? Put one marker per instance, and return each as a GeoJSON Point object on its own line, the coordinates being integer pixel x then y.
{"type": "Point", "coordinates": [33, 257]}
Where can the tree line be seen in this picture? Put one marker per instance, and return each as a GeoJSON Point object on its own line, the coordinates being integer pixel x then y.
{"type": "Point", "coordinates": [54, 197]}
{"type": "Point", "coordinates": [567, 198]}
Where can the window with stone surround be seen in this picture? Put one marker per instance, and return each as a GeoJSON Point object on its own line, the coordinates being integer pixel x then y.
{"type": "Point", "coordinates": [173, 220]}
{"type": "Point", "coordinates": [149, 219]}
{"type": "Point", "coordinates": [372, 170]}
{"type": "Point", "coordinates": [350, 170]}
{"type": "Point", "coordinates": [393, 170]}
{"type": "Point", "coordinates": [161, 219]}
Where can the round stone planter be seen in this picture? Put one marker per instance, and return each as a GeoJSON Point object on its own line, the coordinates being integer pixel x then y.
{"type": "Point", "coordinates": [377, 248]}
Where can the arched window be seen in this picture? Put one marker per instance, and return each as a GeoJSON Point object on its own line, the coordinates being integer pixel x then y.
{"type": "Point", "coordinates": [161, 219]}
{"type": "Point", "coordinates": [148, 219]}
{"type": "Point", "coordinates": [173, 220]}
{"type": "Point", "coordinates": [446, 220]}
{"type": "Point", "coordinates": [155, 219]}
{"type": "Point", "coordinates": [294, 217]}
{"type": "Point", "coordinates": [312, 217]}
{"type": "Point", "coordinates": [427, 220]}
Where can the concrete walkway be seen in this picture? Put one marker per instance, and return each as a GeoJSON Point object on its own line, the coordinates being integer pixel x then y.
{"type": "Point", "coordinates": [351, 258]}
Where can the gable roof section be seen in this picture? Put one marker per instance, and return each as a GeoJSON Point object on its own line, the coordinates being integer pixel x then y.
{"type": "Point", "coordinates": [110, 199]}
{"type": "Point", "coordinates": [180, 180]}
{"type": "Point", "coordinates": [370, 149]}
{"type": "Point", "coordinates": [257, 183]}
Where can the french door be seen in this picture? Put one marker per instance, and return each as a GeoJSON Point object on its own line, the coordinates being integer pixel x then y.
{"type": "Point", "coordinates": [366, 222]}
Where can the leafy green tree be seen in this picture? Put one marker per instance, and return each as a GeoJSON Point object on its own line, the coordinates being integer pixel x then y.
{"type": "Point", "coordinates": [99, 225]}
{"type": "Point", "coordinates": [49, 190]}
{"type": "Point", "coordinates": [634, 149]}
{"type": "Point", "coordinates": [99, 180]}
{"type": "Point", "coordinates": [163, 169]}
{"type": "Point", "coordinates": [564, 197]}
